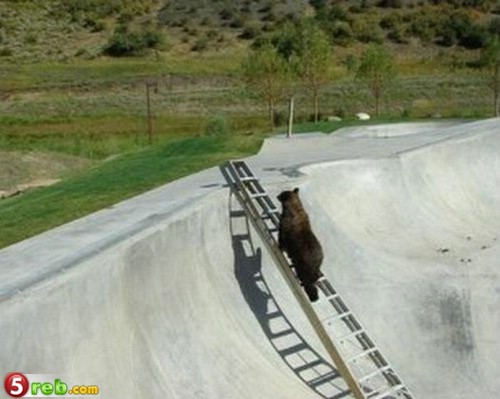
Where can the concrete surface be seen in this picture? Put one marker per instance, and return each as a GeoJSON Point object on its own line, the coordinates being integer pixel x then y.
{"type": "Point", "coordinates": [164, 295]}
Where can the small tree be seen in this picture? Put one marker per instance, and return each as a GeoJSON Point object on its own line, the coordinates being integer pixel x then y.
{"type": "Point", "coordinates": [376, 68]}
{"type": "Point", "coordinates": [491, 61]}
{"type": "Point", "coordinates": [314, 53]}
{"type": "Point", "coordinates": [268, 75]}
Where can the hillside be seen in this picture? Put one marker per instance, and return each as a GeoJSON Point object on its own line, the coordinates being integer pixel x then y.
{"type": "Point", "coordinates": [60, 30]}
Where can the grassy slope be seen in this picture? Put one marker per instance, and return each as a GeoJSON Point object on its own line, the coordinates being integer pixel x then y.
{"type": "Point", "coordinates": [113, 181]}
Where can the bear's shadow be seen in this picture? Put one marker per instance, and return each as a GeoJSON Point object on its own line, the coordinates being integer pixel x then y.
{"type": "Point", "coordinates": [303, 360]}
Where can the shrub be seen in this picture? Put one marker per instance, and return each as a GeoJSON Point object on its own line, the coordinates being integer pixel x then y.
{"type": "Point", "coordinates": [390, 3]}
{"type": "Point", "coordinates": [125, 43]}
{"type": "Point", "coordinates": [475, 38]}
{"type": "Point", "coordinates": [494, 26]}
{"type": "Point", "coordinates": [217, 126]}
{"type": "Point", "coordinates": [251, 31]}
{"type": "Point", "coordinates": [391, 21]}
{"type": "Point", "coordinates": [31, 38]}
{"type": "Point", "coordinates": [461, 29]}
{"type": "Point", "coordinates": [5, 52]}
{"type": "Point", "coordinates": [341, 33]}
{"type": "Point", "coordinates": [200, 44]}
{"type": "Point", "coordinates": [367, 30]}
{"type": "Point", "coordinates": [280, 118]}
{"type": "Point", "coordinates": [398, 35]}
{"type": "Point", "coordinates": [350, 62]}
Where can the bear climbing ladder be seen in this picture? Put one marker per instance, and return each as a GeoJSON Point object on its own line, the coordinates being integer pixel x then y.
{"type": "Point", "coordinates": [361, 364]}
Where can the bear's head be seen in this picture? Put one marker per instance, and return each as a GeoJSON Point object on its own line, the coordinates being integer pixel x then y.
{"type": "Point", "coordinates": [289, 197]}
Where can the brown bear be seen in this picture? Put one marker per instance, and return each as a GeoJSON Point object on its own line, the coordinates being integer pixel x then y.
{"type": "Point", "coordinates": [296, 238]}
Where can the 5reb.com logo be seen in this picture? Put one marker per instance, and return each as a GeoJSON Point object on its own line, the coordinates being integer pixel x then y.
{"type": "Point", "coordinates": [18, 385]}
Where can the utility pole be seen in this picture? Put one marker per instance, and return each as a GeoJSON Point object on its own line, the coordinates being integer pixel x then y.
{"type": "Point", "coordinates": [150, 84]}
{"type": "Point", "coordinates": [290, 118]}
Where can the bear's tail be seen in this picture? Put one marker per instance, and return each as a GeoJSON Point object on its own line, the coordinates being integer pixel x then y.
{"type": "Point", "coordinates": [312, 292]}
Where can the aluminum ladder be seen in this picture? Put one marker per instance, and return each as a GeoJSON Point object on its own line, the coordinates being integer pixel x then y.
{"type": "Point", "coordinates": [361, 364]}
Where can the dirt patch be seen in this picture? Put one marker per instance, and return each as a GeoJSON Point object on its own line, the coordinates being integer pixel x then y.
{"type": "Point", "coordinates": [20, 171]}
{"type": "Point", "coordinates": [27, 186]}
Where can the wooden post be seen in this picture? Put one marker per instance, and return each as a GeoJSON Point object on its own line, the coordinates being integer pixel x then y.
{"type": "Point", "coordinates": [290, 118]}
{"type": "Point", "coordinates": [149, 85]}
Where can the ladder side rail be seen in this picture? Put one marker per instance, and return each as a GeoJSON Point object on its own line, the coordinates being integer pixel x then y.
{"type": "Point", "coordinates": [364, 340]}
{"type": "Point", "coordinates": [297, 291]}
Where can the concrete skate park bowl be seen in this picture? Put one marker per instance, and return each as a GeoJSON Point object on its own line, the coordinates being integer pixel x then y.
{"type": "Point", "coordinates": [165, 295]}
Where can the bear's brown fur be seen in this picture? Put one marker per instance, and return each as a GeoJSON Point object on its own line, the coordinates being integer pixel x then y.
{"type": "Point", "coordinates": [299, 242]}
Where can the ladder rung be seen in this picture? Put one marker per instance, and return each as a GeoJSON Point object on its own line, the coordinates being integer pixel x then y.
{"type": "Point", "coordinates": [332, 296]}
{"type": "Point", "coordinates": [248, 178]}
{"type": "Point", "coordinates": [258, 195]}
{"type": "Point", "coordinates": [269, 213]}
{"type": "Point", "coordinates": [375, 373]}
{"type": "Point", "coordinates": [389, 391]}
{"type": "Point", "coordinates": [350, 335]}
{"type": "Point", "coordinates": [362, 354]}
{"type": "Point", "coordinates": [339, 316]}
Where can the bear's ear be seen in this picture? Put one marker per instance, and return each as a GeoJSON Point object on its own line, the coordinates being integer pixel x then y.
{"type": "Point", "coordinates": [296, 190]}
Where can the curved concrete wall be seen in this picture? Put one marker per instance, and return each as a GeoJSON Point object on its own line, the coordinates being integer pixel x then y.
{"type": "Point", "coordinates": [415, 246]}
{"type": "Point", "coordinates": [182, 303]}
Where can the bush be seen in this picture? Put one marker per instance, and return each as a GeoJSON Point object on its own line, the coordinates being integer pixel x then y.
{"type": "Point", "coordinates": [311, 117]}
{"type": "Point", "coordinates": [124, 43]}
{"type": "Point", "coordinates": [217, 126]}
{"type": "Point", "coordinates": [367, 30]}
{"type": "Point", "coordinates": [350, 62]}
{"type": "Point", "coordinates": [341, 33]}
{"type": "Point", "coordinates": [251, 31]}
{"type": "Point", "coordinates": [398, 35]}
{"type": "Point", "coordinates": [390, 3]}
{"type": "Point", "coordinates": [475, 38]}
{"type": "Point", "coordinates": [391, 21]}
{"type": "Point", "coordinates": [461, 29]}
{"type": "Point", "coordinates": [280, 118]}
{"type": "Point", "coordinates": [494, 26]}
{"type": "Point", "coordinates": [200, 44]}
{"type": "Point", "coordinates": [5, 52]}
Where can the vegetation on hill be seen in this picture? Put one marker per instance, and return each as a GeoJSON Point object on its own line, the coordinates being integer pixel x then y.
{"type": "Point", "coordinates": [62, 29]}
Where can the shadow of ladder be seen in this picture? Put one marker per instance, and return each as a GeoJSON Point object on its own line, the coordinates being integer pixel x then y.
{"type": "Point", "coordinates": [302, 359]}
{"type": "Point", "coordinates": [359, 361]}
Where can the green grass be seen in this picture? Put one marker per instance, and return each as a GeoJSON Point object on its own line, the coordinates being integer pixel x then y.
{"type": "Point", "coordinates": [113, 181]}
{"type": "Point", "coordinates": [130, 174]}
{"type": "Point", "coordinates": [109, 71]}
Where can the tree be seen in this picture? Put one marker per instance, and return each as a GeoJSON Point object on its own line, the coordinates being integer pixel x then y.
{"type": "Point", "coordinates": [313, 59]}
{"type": "Point", "coordinates": [491, 61]}
{"type": "Point", "coordinates": [376, 68]}
{"type": "Point", "coordinates": [268, 75]}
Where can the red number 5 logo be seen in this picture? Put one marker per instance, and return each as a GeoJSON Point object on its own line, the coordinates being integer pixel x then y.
{"type": "Point", "coordinates": [16, 385]}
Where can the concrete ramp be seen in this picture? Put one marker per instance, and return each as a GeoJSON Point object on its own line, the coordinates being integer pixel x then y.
{"type": "Point", "coordinates": [166, 295]}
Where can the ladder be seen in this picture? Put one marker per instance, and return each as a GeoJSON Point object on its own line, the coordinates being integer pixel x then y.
{"type": "Point", "coordinates": [361, 364]}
